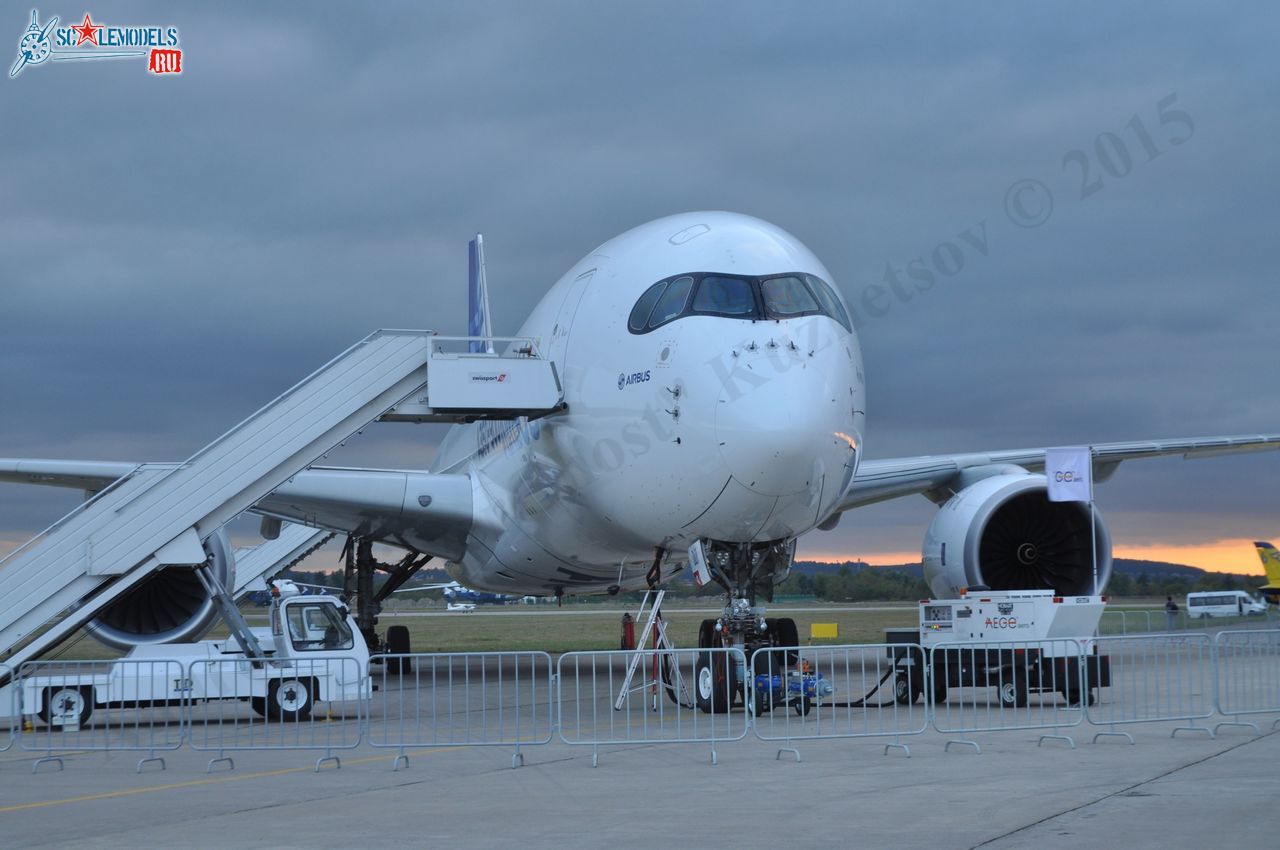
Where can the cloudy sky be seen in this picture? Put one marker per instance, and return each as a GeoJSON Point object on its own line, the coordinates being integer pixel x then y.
{"type": "Point", "coordinates": [1091, 192]}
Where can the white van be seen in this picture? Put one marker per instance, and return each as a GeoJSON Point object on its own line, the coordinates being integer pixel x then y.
{"type": "Point", "coordinates": [1223, 603]}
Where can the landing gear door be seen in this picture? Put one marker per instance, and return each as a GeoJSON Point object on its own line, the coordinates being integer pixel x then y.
{"type": "Point", "coordinates": [698, 564]}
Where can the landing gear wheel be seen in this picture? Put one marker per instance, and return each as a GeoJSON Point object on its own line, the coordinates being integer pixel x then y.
{"type": "Point", "coordinates": [290, 699]}
{"type": "Point", "coordinates": [714, 692]}
{"type": "Point", "coordinates": [706, 634]}
{"type": "Point", "coordinates": [1012, 690]}
{"type": "Point", "coordinates": [64, 703]}
{"type": "Point", "coordinates": [786, 634]}
{"type": "Point", "coordinates": [398, 644]}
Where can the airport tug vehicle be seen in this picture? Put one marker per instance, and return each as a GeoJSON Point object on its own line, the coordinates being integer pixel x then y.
{"type": "Point", "coordinates": [1017, 641]}
{"type": "Point", "coordinates": [312, 652]}
{"type": "Point", "coordinates": [799, 688]}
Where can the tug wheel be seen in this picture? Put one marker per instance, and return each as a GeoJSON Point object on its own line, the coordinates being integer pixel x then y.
{"type": "Point", "coordinates": [903, 692]}
{"type": "Point", "coordinates": [290, 699]}
{"type": "Point", "coordinates": [66, 702]}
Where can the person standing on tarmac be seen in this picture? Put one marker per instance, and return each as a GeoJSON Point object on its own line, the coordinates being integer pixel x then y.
{"type": "Point", "coordinates": [1170, 613]}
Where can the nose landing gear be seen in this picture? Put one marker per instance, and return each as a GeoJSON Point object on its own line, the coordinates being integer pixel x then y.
{"type": "Point", "coordinates": [748, 573]}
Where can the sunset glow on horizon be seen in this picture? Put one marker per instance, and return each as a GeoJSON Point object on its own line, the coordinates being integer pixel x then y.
{"type": "Point", "coordinates": [1219, 556]}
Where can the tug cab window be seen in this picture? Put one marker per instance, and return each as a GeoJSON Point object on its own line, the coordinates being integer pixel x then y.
{"type": "Point", "coordinates": [318, 627]}
{"type": "Point", "coordinates": [777, 297]}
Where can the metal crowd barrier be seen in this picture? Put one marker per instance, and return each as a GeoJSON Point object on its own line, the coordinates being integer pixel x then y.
{"type": "Point", "coordinates": [1107, 623]}
{"type": "Point", "coordinates": [131, 705]}
{"type": "Point", "coordinates": [308, 704]}
{"type": "Point", "coordinates": [785, 695]}
{"type": "Point", "coordinates": [1000, 686]}
{"type": "Point", "coordinates": [1248, 668]}
{"type": "Point", "coordinates": [9, 707]}
{"type": "Point", "coordinates": [830, 692]}
{"type": "Point", "coordinates": [1155, 678]}
{"type": "Point", "coordinates": [475, 699]}
{"type": "Point", "coordinates": [672, 696]}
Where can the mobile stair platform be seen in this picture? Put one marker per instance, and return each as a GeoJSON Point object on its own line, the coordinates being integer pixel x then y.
{"type": "Point", "coordinates": [158, 516]}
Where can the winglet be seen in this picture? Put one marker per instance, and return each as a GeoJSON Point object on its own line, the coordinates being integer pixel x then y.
{"type": "Point", "coordinates": [478, 323]}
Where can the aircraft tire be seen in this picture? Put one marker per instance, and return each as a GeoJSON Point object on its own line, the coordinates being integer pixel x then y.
{"type": "Point", "coordinates": [712, 683]}
{"type": "Point", "coordinates": [398, 644]}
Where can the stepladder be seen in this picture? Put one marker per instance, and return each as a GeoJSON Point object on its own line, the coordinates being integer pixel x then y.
{"type": "Point", "coordinates": [655, 660]}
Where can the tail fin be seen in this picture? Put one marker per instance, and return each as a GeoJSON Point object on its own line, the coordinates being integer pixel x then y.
{"type": "Point", "coordinates": [1270, 562]}
{"type": "Point", "coordinates": [478, 323]}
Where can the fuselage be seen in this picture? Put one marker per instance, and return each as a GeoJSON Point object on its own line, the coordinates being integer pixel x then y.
{"type": "Point", "coordinates": [726, 404]}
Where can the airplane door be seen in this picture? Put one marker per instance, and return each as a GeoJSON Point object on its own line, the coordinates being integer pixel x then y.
{"type": "Point", "coordinates": [559, 344]}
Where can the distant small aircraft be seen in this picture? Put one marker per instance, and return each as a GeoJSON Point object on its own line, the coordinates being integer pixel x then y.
{"type": "Point", "coordinates": [1271, 563]}
{"type": "Point", "coordinates": [461, 606]}
{"type": "Point", "coordinates": [455, 593]}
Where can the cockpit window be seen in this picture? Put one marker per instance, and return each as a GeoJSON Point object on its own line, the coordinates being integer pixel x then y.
{"type": "Point", "coordinates": [725, 296]}
{"type": "Point", "coordinates": [672, 302]}
{"type": "Point", "coordinates": [830, 301]}
{"type": "Point", "coordinates": [640, 312]}
{"type": "Point", "coordinates": [785, 297]}
{"type": "Point", "coordinates": [777, 297]}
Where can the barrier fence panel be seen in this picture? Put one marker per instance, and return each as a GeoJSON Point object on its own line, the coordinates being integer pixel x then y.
{"type": "Point", "coordinates": [8, 707]}
{"type": "Point", "coordinates": [129, 704]}
{"type": "Point", "coordinates": [1154, 678]}
{"type": "Point", "coordinates": [858, 691]}
{"type": "Point", "coordinates": [1248, 665]}
{"type": "Point", "coordinates": [998, 686]}
{"type": "Point", "coordinates": [461, 699]}
{"type": "Point", "coordinates": [1113, 623]}
{"type": "Point", "coordinates": [674, 696]}
{"type": "Point", "coordinates": [303, 704]}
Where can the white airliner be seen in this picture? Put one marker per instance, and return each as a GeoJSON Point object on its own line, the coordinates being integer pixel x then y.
{"type": "Point", "coordinates": [716, 411]}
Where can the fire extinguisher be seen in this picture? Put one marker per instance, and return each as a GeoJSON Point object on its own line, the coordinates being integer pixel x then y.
{"type": "Point", "coordinates": [628, 632]}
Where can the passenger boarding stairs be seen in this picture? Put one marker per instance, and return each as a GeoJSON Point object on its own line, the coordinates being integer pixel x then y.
{"type": "Point", "coordinates": [291, 545]}
{"type": "Point", "coordinates": [158, 515]}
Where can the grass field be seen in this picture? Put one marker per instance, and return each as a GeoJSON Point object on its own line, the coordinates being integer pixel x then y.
{"type": "Point", "coordinates": [598, 626]}
{"type": "Point", "coordinates": [574, 627]}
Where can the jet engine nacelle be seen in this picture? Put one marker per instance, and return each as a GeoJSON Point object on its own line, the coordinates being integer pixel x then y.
{"type": "Point", "coordinates": [1004, 533]}
{"type": "Point", "coordinates": [170, 606]}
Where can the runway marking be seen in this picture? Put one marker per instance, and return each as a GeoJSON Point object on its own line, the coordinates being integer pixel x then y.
{"type": "Point", "coordinates": [194, 783]}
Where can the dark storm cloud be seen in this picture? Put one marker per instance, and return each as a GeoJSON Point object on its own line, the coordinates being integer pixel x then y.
{"type": "Point", "coordinates": [174, 253]}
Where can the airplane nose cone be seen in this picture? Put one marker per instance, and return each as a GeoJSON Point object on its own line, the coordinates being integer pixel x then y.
{"type": "Point", "coordinates": [780, 431]}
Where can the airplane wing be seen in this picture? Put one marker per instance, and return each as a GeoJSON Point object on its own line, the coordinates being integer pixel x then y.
{"type": "Point", "coordinates": [936, 475]}
{"type": "Point", "coordinates": [427, 512]}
